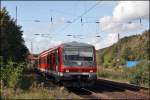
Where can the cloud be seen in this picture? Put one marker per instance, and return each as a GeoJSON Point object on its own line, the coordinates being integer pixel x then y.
{"type": "Point", "coordinates": [44, 44]}
{"type": "Point", "coordinates": [131, 10]}
{"type": "Point", "coordinates": [110, 39]}
{"type": "Point", "coordinates": [132, 27]}
{"type": "Point", "coordinates": [108, 25]}
{"type": "Point", "coordinates": [103, 42]}
{"type": "Point", "coordinates": [41, 43]}
{"type": "Point", "coordinates": [124, 12]}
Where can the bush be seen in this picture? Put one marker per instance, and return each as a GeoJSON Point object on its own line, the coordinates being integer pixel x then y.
{"type": "Point", "coordinates": [11, 73]}
{"type": "Point", "coordinates": [103, 74]}
{"type": "Point", "coordinates": [106, 65]}
{"type": "Point", "coordinates": [140, 75]}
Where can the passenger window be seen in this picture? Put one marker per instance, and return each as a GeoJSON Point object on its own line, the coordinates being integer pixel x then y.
{"type": "Point", "coordinates": [57, 58]}
{"type": "Point", "coordinates": [45, 60]}
{"type": "Point", "coordinates": [48, 60]}
{"type": "Point", "coordinates": [54, 59]}
{"type": "Point", "coordinates": [51, 61]}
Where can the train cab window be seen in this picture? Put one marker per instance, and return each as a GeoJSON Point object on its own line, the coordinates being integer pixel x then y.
{"type": "Point", "coordinates": [86, 54]}
{"type": "Point", "coordinates": [78, 56]}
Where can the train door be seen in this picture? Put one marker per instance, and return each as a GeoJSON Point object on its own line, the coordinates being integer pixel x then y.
{"type": "Point", "coordinates": [56, 60]}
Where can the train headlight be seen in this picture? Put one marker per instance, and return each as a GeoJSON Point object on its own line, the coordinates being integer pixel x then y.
{"type": "Point", "coordinates": [67, 70]}
{"type": "Point", "coordinates": [91, 71]}
{"type": "Point", "coordinates": [61, 74]}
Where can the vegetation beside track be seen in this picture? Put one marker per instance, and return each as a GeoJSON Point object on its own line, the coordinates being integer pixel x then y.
{"type": "Point", "coordinates": [138, 75]}
{"type": "Point", "coordinates": [14, 83]}
{"type": "Point", "coordinates": [132, 48]}
{"type": "Point", "coordinates": [31, 85]}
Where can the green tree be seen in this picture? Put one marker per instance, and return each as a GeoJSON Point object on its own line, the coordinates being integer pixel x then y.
{"type": "Point", "coordinates": [135, 47]}
{"type": "Point", "coordinates": [12, 43]}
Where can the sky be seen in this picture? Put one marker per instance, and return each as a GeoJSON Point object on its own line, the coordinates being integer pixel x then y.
{"type": "Point", "coordinates": [123, 17]}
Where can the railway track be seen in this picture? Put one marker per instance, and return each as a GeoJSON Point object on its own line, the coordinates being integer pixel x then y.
{"type": "Point", "coordinates": [134, 89]}
{"type": "Point", "coordinates": [116, 90]}
{"type": "Point", "coordinates": [99, 93]}
{"type": "Point", "coordinates": [104, 89]}
{"type": "Point", "coordinates": [107, 89]}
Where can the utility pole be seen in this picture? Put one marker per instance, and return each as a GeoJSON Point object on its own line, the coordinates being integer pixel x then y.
{"type": "Point", "coordinates": [140, 21]}
{"type": "Point", "coordinates": [97, 28]}
{"type": "Point", "coordinates": [16, 14]}
{"type": "Point", "coordinates": [31, 47]}
{"type": "Point", "coordinates": [51, 20]}
{"type": "Point", "coordinates": [118, 49]}
{"type": "Point", "coordinates": [118, 37]}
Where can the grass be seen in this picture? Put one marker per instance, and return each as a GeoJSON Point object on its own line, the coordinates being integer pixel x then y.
{"type": "Point", "coordinates": [119, 75]}
{"type": "Point", "coordinates": [33, 87]}
{"type": "Point", "coordinates": [116, 75]}
{"type": "Point", "coordinates": [37, 93]}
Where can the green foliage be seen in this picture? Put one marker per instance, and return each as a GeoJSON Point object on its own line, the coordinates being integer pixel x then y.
{"type": "Point", "coordinates": [112, 74]}
{"type": "Point", "coordinates": [33, 86]}
{"type": "Point", "coordinates": [41, 93]}
{"type": "Point", "coordinates": [140, 75]}
{"type": "Point", "coordinates": [12, 43]}
{"type": "Point", "coordinates": [106, 64]}
{"type": "Point", "coordinates": [128, 48]}
{"type": "Point", "coordinates": [104, 74]}
{"type": "Point", "coordinates": [26, 82]}
{"type": "Point", "coordinates": [11, 73]}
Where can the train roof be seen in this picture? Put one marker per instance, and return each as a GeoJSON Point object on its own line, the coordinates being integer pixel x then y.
{"type": "Point", "coordinates": [69, 44]}
{"type": "Point", "coordinates": [76, 44]}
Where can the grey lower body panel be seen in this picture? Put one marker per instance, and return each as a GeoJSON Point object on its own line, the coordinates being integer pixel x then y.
{"type": "Point", "coordinates": [79, 76]}
{"type": "Point", "coordinates": [78, 79]}
{"type": "Point", "coordinates": [73, 79]}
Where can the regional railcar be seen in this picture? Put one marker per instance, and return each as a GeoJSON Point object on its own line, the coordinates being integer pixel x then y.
{"type": "Point", "coordinates": [72, 63]}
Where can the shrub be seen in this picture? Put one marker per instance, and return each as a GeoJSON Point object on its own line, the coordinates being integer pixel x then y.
{"type": "Point", "coordinates": [11, 73]}
{"type": "Point", "coordinates": [139, 75]}
{"type": "Point", "coordinates": [106, 65]}
{"type": "Point", "coordinates": [103, 74]}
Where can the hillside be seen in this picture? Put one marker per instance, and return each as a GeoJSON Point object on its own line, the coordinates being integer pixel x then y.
{"type": "Point", "coordinates": [134, 47]}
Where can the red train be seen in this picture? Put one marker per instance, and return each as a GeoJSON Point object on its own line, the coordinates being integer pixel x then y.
{"type": "Point", "coordinates": [72, 63]}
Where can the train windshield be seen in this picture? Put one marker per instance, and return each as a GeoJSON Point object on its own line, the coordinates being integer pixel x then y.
{"type": "Point", "coordinates": [78, 56]}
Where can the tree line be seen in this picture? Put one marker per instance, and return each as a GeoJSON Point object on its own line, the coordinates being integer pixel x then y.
{"type": "Point", "coordinates": [12, 43]}
{"type": "Point", "coordinates": [132, 48]}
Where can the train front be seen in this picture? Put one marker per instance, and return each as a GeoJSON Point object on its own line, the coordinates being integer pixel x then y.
{"type": "Point", "coordinates": [79, 65]}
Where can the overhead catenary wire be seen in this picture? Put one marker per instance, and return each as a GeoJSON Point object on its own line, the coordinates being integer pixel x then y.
{"type": "Point", "coordinates": [93, 6]}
